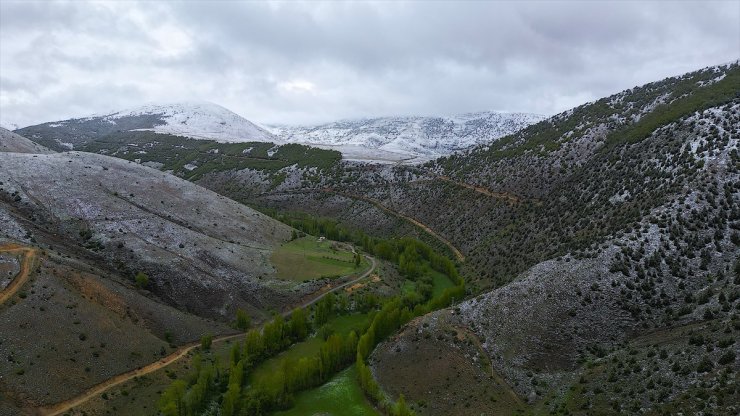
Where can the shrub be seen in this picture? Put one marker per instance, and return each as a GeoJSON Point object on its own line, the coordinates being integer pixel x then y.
{"type": "Point", "coordinates": [142, 280]}
{"type": "Point", "coordinates": [726, 358]}
{"type": "Point", "coordinates": [705, 365]}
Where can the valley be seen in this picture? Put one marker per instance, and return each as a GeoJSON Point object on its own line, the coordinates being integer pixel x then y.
{"type": "Point", "coordinates": [585, 263]}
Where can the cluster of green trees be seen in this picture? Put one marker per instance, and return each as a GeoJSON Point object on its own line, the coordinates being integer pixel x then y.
{"type": "Point", "coordinates": [229, 390]}
{"type": "Point", "coordinates": [275, 336]}
{"type": "Point", "coordinates": [277, 391]}
{"type": "Point", "coordinates": [189, 397]}
{"type": "Point", "coordinates": [689, 97]}
{"type": "Point", "coordinates": [394, 314]}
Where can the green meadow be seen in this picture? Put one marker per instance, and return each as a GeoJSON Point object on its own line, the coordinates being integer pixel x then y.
{"type": "Point", "coordinates": [340, 396]}
{"type": "Point", "coordinates": [308, 258]}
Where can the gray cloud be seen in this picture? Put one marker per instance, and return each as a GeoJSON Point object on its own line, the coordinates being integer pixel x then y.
{"type": "Point", "coordinates": [305, 62]}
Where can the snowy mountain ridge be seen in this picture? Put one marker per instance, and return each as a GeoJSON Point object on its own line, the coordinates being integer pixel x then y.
{"type": "Point", "coordinates": [410, 139]}
{"type": "Point", "coordinates": [407, 138]}
{"type": "Point", "coordinates": [198, 120]}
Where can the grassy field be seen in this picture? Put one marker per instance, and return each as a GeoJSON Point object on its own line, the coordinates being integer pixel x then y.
{"type": "Point", "coordinates": [440, 282]}
{"type": "Point", "coordinates": [310, 347]}
{"type": "Point", "coordinates": [307, 258]}
{"type": "Point", "coordinates": [339, 396]}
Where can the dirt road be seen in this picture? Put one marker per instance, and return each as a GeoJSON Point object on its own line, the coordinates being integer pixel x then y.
{"type": "Point", "coordinates": [458, 254]}
{"type": "Point", "coordinates": [29, 259]}
{"type": "Point", "coordinates": [181, 352]}
{"type": "Point", "coordinates": [506, 196]}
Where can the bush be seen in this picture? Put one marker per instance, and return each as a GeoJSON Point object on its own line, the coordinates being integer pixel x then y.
{"type": "Point", "coordinates": [705, 365]}
{"type": "Point", "coordinates": [726, 358]}
{"type": "Point", "coordinates": [142, 280]}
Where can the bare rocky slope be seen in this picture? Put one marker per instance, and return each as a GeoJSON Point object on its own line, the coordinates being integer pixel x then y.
{"type": "Point", "coordinates": [11, 142]}
{"type": "Point", "coordinates": [202, 251]}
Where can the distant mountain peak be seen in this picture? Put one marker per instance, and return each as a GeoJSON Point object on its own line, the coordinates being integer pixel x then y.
{"type": "Point", "coordinates": [199, 120]}
{"type": "Point", "coordinates": [194, 119]}
{"type": "Point", "coordinates": [411, 138]}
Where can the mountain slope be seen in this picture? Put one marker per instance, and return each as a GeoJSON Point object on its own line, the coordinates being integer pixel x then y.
{"type": "Point", "coordinates": [399, 138]}
{"type": "Point", "coordinates": [78, 228]}
{"type": "Point", "coordinates": [624, 250]}
{"type": "Point", "coordinates": [203, 252]}
{"type": "Point", "coordinates": [11, 142]}
{"type": "Point", "coordinates": [195, 120]}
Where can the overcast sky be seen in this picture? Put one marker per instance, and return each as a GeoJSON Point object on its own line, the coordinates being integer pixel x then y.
{"type": "Point", "coordinates": [312, 62]}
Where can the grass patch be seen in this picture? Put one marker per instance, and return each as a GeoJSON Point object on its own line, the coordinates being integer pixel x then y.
{"type": "Point", "coordinates": [339, 396]}
{"type": "Point", "coordinates": [308, 258]}
{"type": "Point", "coordinates": [408, 287]}
{"type": "Point", "coordinates": [346, 323]}
{"type": "Point", "coordinates": [440, 282]}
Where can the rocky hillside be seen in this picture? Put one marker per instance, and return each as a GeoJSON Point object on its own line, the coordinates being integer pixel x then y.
{"type": "Point", "coordinates": [100, 262]}
{"type": "Point", "coordinates": [11, 142]}
{"type": "Point", "coordinates": [410, 139]}
{"type": "Point", "coordinates": [621, 228]}
{"type": "Point", "coordinates": [195, 120]}
{"type": "Point", "coordinates": [202, 251]}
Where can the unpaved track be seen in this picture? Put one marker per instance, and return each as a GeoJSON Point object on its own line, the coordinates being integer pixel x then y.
{"type": "Point", "coordinates": [29, 258]}
{"type": "Point", "coordinates": [458, 254]}
{"type": "Point", "coordinates": [506, 196]}
{"type": "Point", "coordinates": [181, 352]}
{"type": "Point", "coordinates": [494, 374]}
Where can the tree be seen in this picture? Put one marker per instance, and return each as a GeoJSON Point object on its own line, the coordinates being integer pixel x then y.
{"type": "Point", "coordinates": [298, 324]}
{"type": "Point", "coordinates": [142, 280]}
{"type": "Point", "coordinates": [230, 400]}
{"type": "Point", "coordinates": [254, 345]}
{"type": "Point", "coordinates": [358, 260]}
{"type": "Point", "coordinates": [205, 342]}
{"type": "Point", "coordinates": [401, 409]}
{"type": "Point", "coordinates": [243, 320]}
{"type": "Point", "coordinates": [171, 402]}
{"type": "Point", "coordinates": [324, 309]}
{"type": "Point", "coordinates": [235, 354]}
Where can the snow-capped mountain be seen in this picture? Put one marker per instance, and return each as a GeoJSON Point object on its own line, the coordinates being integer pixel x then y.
{"type": "Point", "coordinates": [385, 139]}
{"type": "Point", "coordinates": [198, 120]}
{"type": "Point", "coordinates": [407, 138]}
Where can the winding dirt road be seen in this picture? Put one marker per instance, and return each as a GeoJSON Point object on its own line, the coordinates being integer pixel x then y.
{"type": "Point", "coordinates": [458, 254]}
{"type": "Point", "coordinates": [62, 407]}
{"type": "Point", "coordinates": [506, 196]}
{"type": "Point", "coordinates": [29, 258]}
